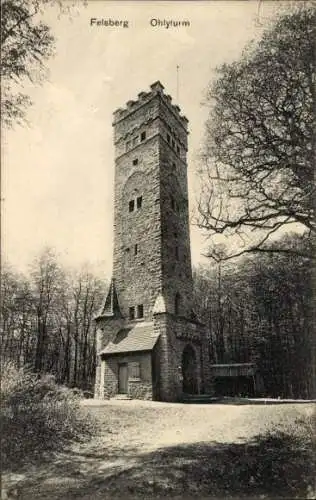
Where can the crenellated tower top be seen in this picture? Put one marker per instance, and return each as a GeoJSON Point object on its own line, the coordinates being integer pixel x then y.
{"type": "Point", "coordinates": [144, 98]}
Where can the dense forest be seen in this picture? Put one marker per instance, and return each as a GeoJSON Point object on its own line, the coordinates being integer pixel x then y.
{"type": "Point", "coordinates": [257, 309]}
{"type": "Point", "coordinates": [260, 309]}
{"type": "Point", "coordinates": [47, 319]}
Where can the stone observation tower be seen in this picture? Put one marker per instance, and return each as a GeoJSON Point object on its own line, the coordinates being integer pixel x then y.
{"type": "Point", "coordinates": [149, 343]}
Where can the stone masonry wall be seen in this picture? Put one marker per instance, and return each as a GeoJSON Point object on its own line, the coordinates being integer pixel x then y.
{"type": "Point", "coordinates": [138, 276]}
{"type": "Point", "coordinates": [137, 389]}
{"type": "Point", "coordinates": [176, 255]}
{"type": "Point", "coordinates": [110, 382]}
{"type": "Point", "coordinates": [154, 168]}
{"type": "Point", "coordinates": [176, 258]}
{"type": "Point", "coordinates": [140, 390]}
{"type": "Point", "coordinates": [131, 127]}
{"type": "Point", "coordinates": [98, 393]}
{"type": "Point", "coordinates": [107, 329]}
{"type": "Point", "coordinates": [175, 335]}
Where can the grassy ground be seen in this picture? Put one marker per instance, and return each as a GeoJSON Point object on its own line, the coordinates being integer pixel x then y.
{"type": "Point", "coordinates": [151, 450]}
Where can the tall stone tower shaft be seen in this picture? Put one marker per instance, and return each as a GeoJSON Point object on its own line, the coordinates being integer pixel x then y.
{"type": "Point", "coordinates": [151, 219]}
{"type": "Point", "coordinates": [150, 345]}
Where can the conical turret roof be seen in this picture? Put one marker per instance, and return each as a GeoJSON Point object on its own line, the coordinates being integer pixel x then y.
{"type": "Point", "coordinates": [110, 307]}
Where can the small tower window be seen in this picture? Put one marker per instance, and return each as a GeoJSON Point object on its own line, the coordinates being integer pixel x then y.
{"type": "Point", "coordinates": [135, 161]}
{"type": "Point", "coordinates": [143, 136]}
{"type": "Point", "coordinates": [131, 206]}
{"type": "Point", "coordinates": [139, 201]}
{"type": "Point", "coordinates": [140, 311]}
{"type": "Point", "coordinates": [135, 249]}
{"type": "Point", "coordinates": [131, 312]}
{"type": "Point", "coordinates": [174, 166]}
{"type": "Point", "coordinates": [178, 150]}
{"type": "Point", "coordinates": [134, 370]}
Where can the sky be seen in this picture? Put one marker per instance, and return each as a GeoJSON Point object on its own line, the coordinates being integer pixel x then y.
{"type": "Point", "coordinates": [58, 172]}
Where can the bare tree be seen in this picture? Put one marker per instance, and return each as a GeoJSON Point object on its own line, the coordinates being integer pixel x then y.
{"type": "Point", "coordinates": [259, 156]}
{"type": "Point", "coordinates": [47, 319]}
{"type": "Point", "coordinates": [46, 278]}
{"type": "Point", "coordinates": [87, 292]}
{"type": "Point", "coordinates": [63, 319]}
{"type": "Point", "coordinates": [17, 317]}
{"type": "Point", "coordinates": [26, 44]}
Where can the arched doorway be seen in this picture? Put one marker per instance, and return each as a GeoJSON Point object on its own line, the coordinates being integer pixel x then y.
{"type": "Point", "coordinates": [189, 370]}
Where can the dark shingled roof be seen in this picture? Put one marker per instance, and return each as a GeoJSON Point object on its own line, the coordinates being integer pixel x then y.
{"type": "Point", "coordinates": [140, 337]}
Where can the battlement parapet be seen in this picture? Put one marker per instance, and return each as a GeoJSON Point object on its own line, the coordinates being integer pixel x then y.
{"type": "Point", "coordinates": [144, 97]}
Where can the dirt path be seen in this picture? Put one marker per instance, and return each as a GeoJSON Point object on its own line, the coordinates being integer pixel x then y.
{"type": "Point", "coordinates": [149, 449]}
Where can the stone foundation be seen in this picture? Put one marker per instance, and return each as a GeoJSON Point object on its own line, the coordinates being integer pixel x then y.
{"type": "Point", "coordinates": [137, 389]}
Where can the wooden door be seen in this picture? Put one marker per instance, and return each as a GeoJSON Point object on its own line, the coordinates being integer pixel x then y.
{"type": "Point", "coordinates": [122, 378]}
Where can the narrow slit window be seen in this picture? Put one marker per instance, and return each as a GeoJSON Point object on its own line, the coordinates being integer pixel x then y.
{"type": "Point", "coordinates": [143, 136]}
{"type": "Point", "coordinates": [140, 311]}
{"type": "Point", "coordinates": [139, 201]}
{"type": "Point", "coordinates": [174, 166]}
{"type": "Point", "coordinates": [178, 150]}
{"type": "Point", "coordinates": [131, 312]}
{"type": "Point", "coordinates": [135, 249]}
{"type": "Point", "coordinates": [177, 303]}
{"type": "Point", "coordinates": [135, 161]}
{"type": "Point", "coordinates": [131, 205]}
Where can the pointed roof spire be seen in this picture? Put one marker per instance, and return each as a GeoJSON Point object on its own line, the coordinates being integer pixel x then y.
{"type": "Point", "coordinates": [110, 308]}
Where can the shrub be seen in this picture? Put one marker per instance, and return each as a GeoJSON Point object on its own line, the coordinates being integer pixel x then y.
{"type": "Point", "coordinates": [286, 456]}
{"type": "Point", "coordinates": [38, 416]}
